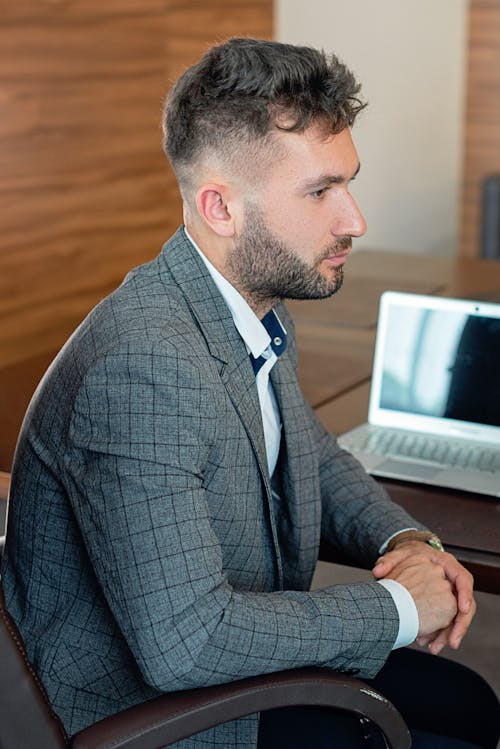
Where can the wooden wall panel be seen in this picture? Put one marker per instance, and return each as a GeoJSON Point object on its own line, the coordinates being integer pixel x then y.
{"type": "Point", "coordinates": [86, 192]}
{"type": "Point", "coordinates": [196, 24]}
{"type": "Point", "coordinates": [482, 118]}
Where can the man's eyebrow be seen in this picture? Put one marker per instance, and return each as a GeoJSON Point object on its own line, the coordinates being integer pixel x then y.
{"type": "Point", "coordinates": [325, 180]}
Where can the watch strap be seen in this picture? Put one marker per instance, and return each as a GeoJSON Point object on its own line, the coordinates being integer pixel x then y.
{"type": "Point", "coordinates": [426, 537]}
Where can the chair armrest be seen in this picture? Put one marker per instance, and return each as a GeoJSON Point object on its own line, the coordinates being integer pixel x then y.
{"type": "Point", "coordinates": [175, 716]}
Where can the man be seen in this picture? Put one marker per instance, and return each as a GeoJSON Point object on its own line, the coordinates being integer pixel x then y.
{"type": "Point", "coordinates": [171, 484]}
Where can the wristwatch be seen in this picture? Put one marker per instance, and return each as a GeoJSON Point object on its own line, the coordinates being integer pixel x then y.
{"type": "Point", "coordinates": [426, 536]}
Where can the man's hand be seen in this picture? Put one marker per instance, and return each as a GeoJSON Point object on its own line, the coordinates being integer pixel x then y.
{"type": "Point", "coordinates": [459, 579]}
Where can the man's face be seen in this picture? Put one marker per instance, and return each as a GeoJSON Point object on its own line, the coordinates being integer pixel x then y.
{"type": "Point", "coordinates": [297, 228]}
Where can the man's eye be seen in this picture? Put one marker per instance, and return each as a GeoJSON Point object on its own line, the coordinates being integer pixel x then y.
{"type": "Point", "coordinates": [317, 194]}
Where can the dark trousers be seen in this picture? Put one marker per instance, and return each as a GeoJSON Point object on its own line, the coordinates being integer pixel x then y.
{"type": "Point", "coordinates": [445, 705]}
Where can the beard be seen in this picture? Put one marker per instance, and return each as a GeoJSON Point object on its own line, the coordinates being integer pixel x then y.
{"type": "Point", "coordinates": [264, 268]}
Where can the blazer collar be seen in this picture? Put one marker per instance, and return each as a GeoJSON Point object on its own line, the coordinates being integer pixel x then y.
{"type": "Point", "coordinates": [216, 324]}
{"type": "Point", "coordinates": [203, 298]}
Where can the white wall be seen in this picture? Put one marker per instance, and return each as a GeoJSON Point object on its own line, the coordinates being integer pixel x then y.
{"type": "Point", "coordinates": [410, 56]}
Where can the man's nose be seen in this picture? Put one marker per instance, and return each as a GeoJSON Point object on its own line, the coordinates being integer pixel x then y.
{"type": "Point", "coordinates": [349, 221]}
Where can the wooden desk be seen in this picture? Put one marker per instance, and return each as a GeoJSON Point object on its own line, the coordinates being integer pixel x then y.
{"type": "Point", "coordinates": [337, 337]}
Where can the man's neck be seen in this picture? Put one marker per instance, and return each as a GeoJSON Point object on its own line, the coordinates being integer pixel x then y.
{"type": "Point", "coordinates": [261, 308]}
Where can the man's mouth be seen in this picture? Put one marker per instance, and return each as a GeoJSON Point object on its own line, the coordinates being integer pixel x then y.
{"type": "Point", "coordinates": [338, 258]}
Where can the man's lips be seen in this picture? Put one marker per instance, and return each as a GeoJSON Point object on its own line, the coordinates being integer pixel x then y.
{"type": "Point", "coordinates": [338, 258]}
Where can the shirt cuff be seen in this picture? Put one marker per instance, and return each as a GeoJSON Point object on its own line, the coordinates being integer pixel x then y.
{"type": "Point", "coordinates": [401, 530]}
{"type": "Point", "coordinates": [407, 612]}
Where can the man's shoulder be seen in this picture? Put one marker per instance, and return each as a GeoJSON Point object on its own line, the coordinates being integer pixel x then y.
{"type": "Point", "coordinates": [149, 304]}
{"type": "Point", "coordinates": [147, 314]}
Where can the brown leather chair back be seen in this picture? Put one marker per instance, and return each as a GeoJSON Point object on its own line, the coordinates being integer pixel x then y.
{"type": "Point", "coordinates": [26, 719]}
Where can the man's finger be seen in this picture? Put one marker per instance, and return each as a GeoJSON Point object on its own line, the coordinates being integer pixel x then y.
{"type": "Point", "coordinates": [439, 642]}
{"type": "Point", "coordinates": [460, 626]}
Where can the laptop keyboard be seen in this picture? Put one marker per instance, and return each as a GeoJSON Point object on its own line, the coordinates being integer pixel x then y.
{"type": "Point", "coordinates": [453, 453]}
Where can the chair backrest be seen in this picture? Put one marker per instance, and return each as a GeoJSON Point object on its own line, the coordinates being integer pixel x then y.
{"type": "Point", "coordinates": [26, 719]}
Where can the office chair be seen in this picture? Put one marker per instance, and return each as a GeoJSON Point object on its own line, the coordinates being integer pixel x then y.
{"type": "Point", "coordinates": [27, 720]}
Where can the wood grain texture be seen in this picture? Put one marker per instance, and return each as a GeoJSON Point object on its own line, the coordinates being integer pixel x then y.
{"type": "Point", "coordinates": [195, 25]}
{"type": "Point", "coordinates": [482, 117]}
{"type": "Point", "coordinates": [86, 191]}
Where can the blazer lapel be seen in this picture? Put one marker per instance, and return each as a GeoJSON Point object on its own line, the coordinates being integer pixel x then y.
{"type": "Point", "coordinates": [239, 381]}
{"type": "Point", "coordinates": [300, 510]}
{"type": "Point", "coordinates": [223, 340]}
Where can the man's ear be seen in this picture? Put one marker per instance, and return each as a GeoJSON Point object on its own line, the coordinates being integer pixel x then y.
{"type": "Point", "coordinates": [216, 209]}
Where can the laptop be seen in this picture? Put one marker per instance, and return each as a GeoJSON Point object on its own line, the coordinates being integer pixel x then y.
{"type": "Point", "coordinates": [434, 414]}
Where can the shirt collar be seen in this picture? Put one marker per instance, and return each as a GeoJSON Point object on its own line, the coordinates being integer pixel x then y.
{"type": "Point", "coordinates": [248, 325]}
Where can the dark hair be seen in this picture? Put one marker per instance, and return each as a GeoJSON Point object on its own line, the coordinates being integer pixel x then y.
{"type": "Point", "coordinates": [244, 88]}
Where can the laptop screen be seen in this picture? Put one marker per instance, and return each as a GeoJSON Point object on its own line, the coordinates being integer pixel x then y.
{"type": "Point", "coordinates": [439, 359]}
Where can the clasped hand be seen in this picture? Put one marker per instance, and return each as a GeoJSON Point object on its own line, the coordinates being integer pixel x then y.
{"type": "Point", "coordinates": [440, 586]}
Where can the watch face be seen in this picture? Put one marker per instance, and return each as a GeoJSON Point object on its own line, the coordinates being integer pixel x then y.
{"type": "Point", "coordinates": [435, 543]}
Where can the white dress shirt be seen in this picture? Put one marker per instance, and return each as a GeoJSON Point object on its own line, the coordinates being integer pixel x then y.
{"type": "Point", "coordinates": [258, 343]}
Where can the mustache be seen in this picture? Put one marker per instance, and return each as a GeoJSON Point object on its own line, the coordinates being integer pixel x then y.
{"type": "Point", "coordinates": [341, 245]}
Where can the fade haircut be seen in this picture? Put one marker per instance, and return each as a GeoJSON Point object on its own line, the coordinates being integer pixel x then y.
{"type": "Point", "coordinates": [232, 102]}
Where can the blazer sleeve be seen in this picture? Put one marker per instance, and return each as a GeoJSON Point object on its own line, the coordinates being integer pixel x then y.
{"type": "Point", "coordinates": [358, 515]}
{"type": "Point", "coordinates": [140, 436]}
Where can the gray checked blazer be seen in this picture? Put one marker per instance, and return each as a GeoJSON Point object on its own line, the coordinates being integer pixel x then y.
{"type": "Point", "coordinates": [144, 553]}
